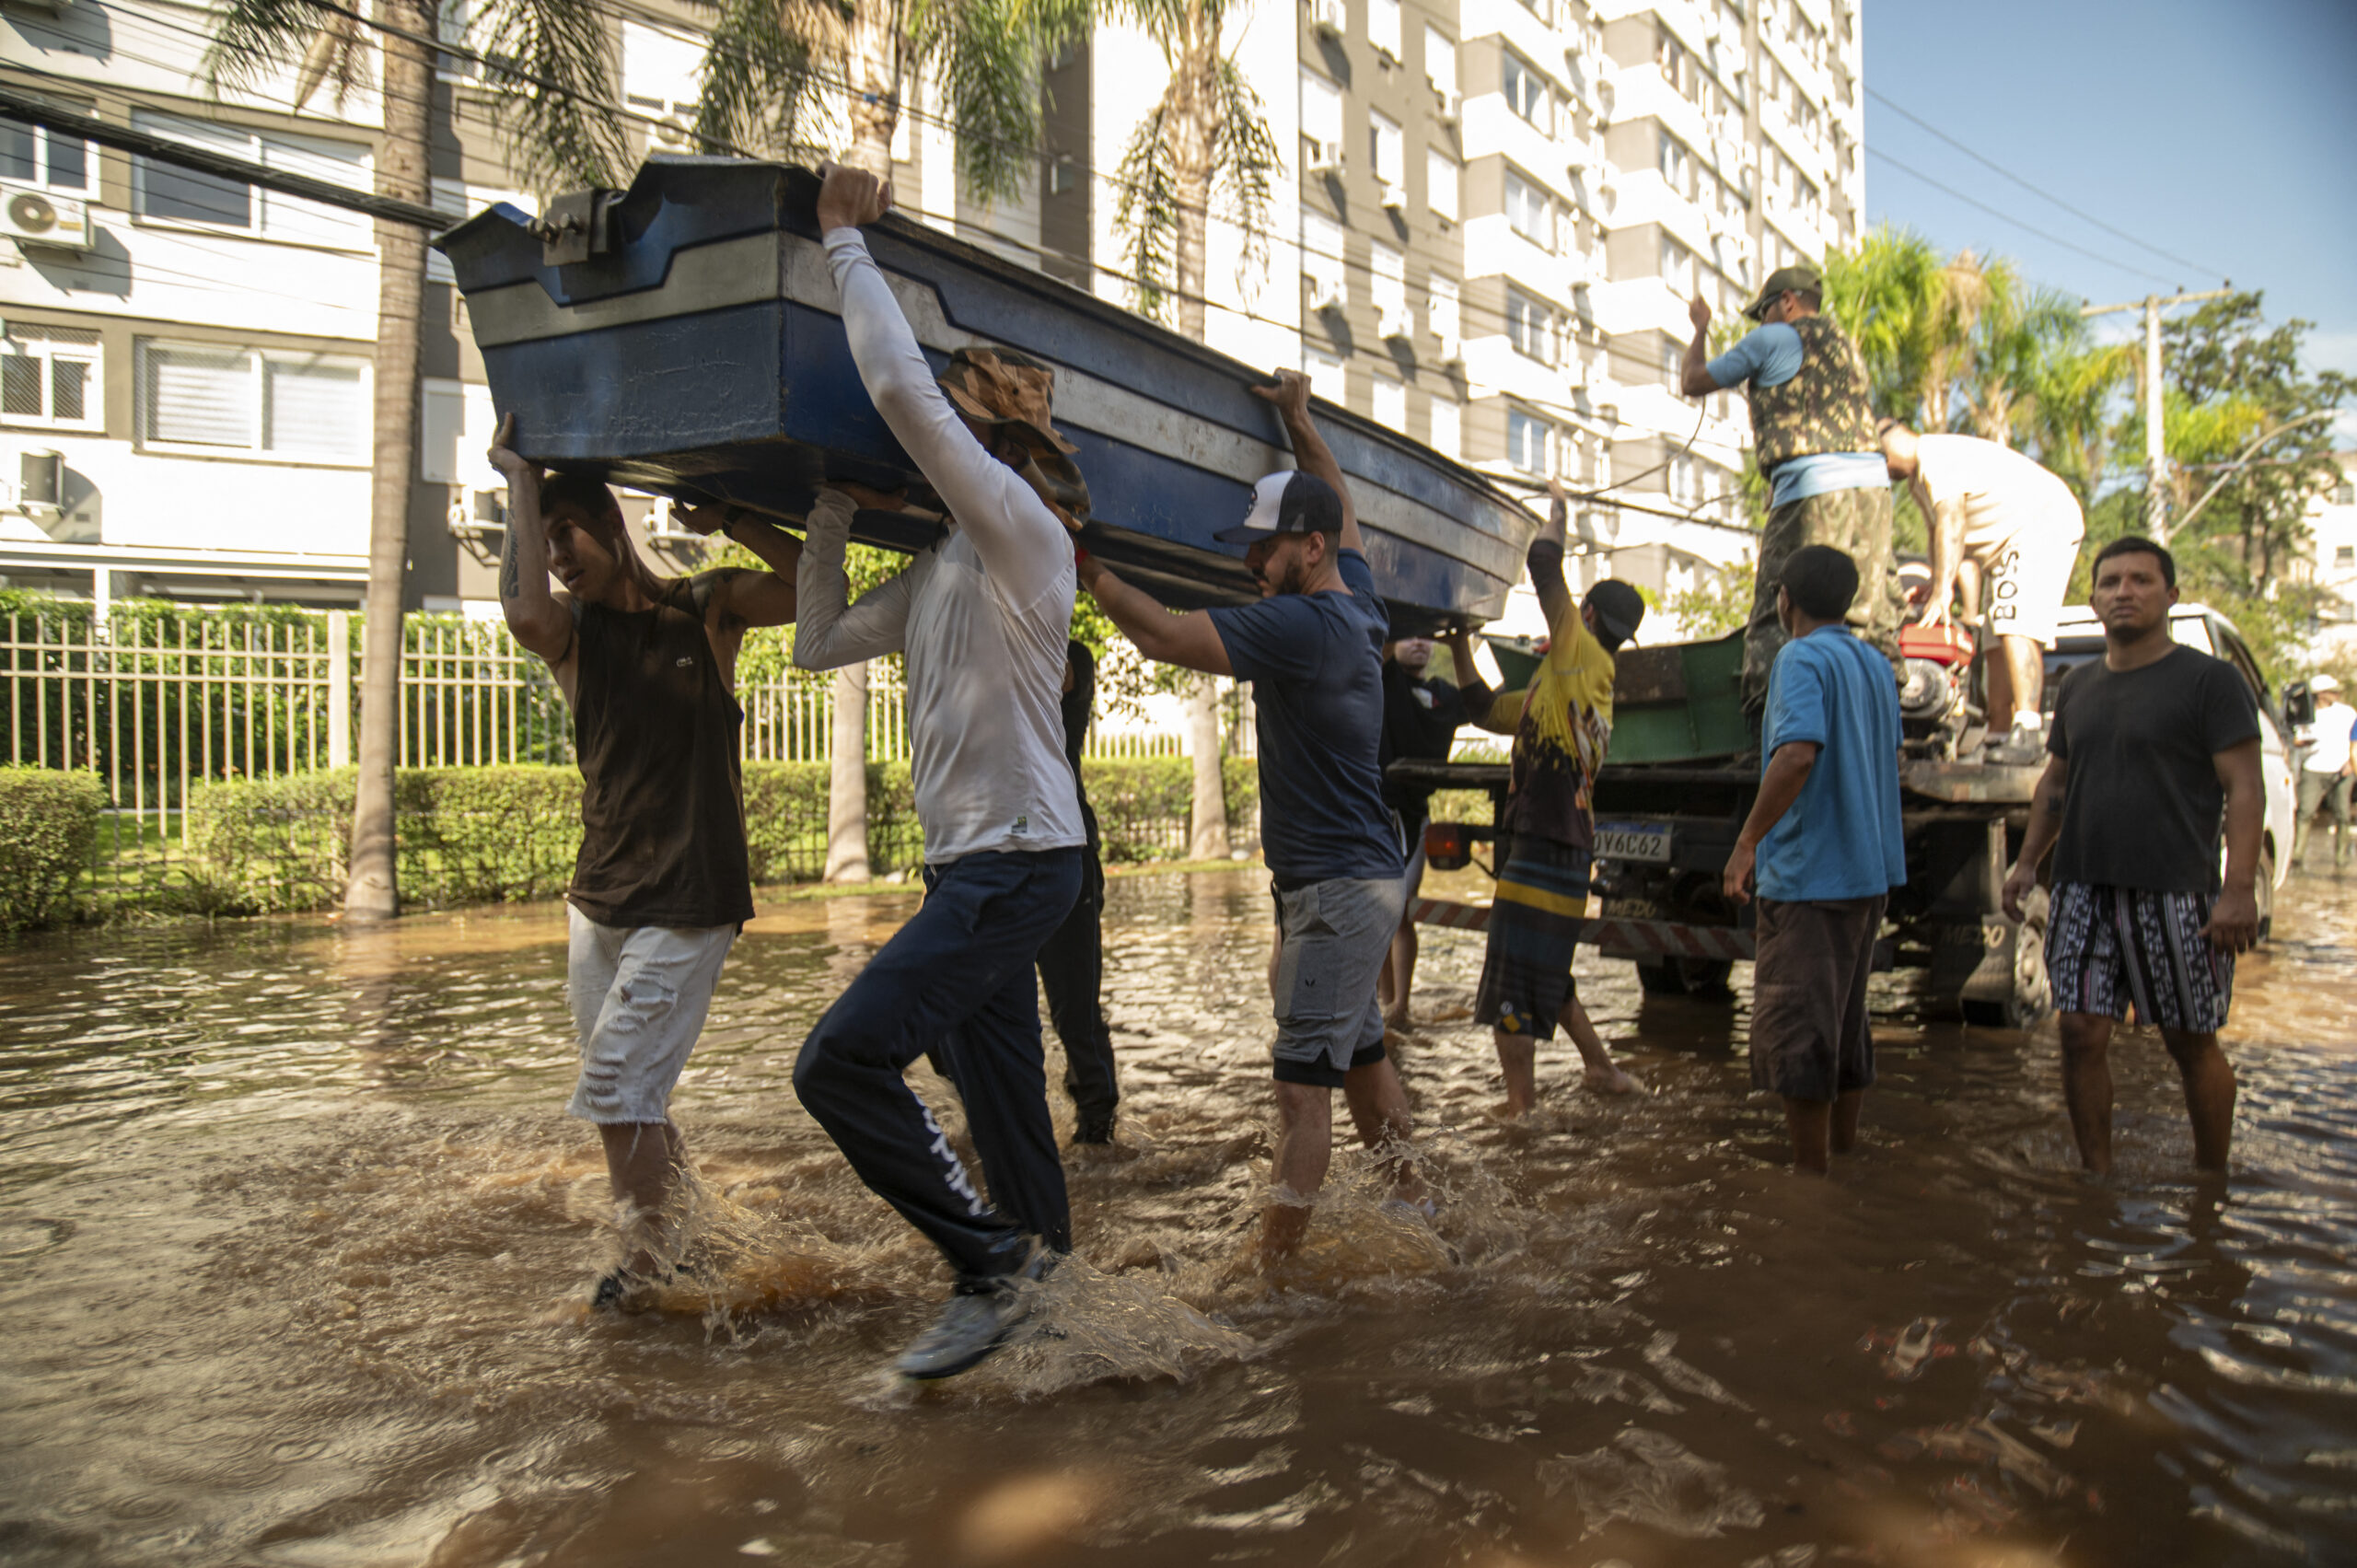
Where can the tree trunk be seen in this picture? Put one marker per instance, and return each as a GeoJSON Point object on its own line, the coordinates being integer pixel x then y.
{"type": "Point", "coordinates": [874, 61]}
{"type": "Point", "coordinates": [372, 889]}
{"type": "Point", "coordinates": [847, 778]}
{"type": "Point", "coordinates": [1207, 818]}
{"type": "Point", "coordinates": [1194, 82]}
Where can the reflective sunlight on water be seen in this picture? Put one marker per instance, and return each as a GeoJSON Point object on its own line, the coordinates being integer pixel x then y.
{"type": "Point", "coordinates": [294, 1244]}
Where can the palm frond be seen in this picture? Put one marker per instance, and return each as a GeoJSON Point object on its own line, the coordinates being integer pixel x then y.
{"type": "Point", "coordinates": [988, 53]}
{"type": "Point", "coordinates": [1245, 160]}
{"type": "Point", "coordinates": [1147, 211]}
{"type": "Point", "coordinates": [556, 139]}
{"type": "Point", "coordinates": [760, 83]}
{"type": "Point", "coordinates": [253, 40]}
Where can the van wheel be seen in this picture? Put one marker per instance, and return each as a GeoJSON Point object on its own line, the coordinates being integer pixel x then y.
{"type": "Point", "coordinates": [2266, 892]}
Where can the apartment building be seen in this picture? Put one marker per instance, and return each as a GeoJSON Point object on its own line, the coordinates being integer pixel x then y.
{"type": "Point", "coordinates": [188, 362]}
{"type": "Point", "coordinates": [2332, 565]}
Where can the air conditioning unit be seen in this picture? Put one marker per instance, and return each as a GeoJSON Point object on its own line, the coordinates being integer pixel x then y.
{"type": "Point", "coordinates": [1452, 348]}
{"type": "Point", "coordinates": [1452, 104]}
{"type": "Point", "coordinates": [35, 217]}
{"type": "Point", "coordinates": [1322, 291]}
{"type": "Point", "coordinates": [1327, 17]}
{"type": "Point", "coordinates": [1392, 194]}
{"type": "Point", "coordinates": [1393, 321]}
{"type": "Point", "coordinates": [41, 492]}
{"type": "Point", "coordinates": [1321, 158]}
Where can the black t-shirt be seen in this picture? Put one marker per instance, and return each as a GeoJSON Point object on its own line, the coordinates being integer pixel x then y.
{"type": "Point", "coordinates": [2143, 807]}
{"type": "Point", "coordinates": [1420, 718]}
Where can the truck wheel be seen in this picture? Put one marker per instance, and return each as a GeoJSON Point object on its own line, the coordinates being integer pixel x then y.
{"type": "Point", "coordinates": [1685, 977]}
{"type": "Point", "coordinates": [2031, 996]}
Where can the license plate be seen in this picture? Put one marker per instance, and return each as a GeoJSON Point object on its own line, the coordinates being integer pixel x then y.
{"type": "Point", "coordinates": [1647, 841]}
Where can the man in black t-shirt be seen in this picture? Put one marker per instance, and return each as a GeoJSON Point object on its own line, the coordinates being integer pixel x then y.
{"type": "Point", "coordinates": [2152, 745]}
{"type": "Point", "coordinates": [1421, 717]}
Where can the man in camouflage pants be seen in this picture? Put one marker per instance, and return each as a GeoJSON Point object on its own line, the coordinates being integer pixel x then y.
{"type": "Point", "coordinates": [1813, 431]}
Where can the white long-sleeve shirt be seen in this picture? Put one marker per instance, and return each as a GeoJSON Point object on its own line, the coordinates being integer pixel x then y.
{"type": "Point", "coordinates": [983, 616]}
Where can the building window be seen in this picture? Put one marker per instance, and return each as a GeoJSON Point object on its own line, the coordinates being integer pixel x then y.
{"type": "Point", "coordinates": [278, 404]}
{"type": "Point", "coordinates": [661, 75]}
{"type": "Point", "coordinates": [162, 193]}
{"type": "Point", "coordinates": [49, 377]}
{"type": "Point", "coordinates": [1391, 404]}
{"type": "Point", "coordinates": [1442, 315]}
{"type": "Point", "coordinates": [1388, 289]}
{"type": "Point", "coordinates": [1440, 182]}
{"type": "Point", "coordinates": [1678, 165]}
{"type": "Point", "coordinates": [1541, 9]}
{"type": "Point", "coordinates": [1440, 62]}
{"type": "Point", "coordinates": [1530, 211]}
{"type": "Point", "coordinates": [1528, 442]}
{"type": "Point", "coordinates": [1321, 123]}
{"type": "Point", "coordinates": [2345, 494]}
{"type": "Point", "coordinates": [1448, 427]}
{"type": "Point", "coordinates": [1530, 326]}
{"type": "Point", "coordinates": [33, 155]}
{"type": "Point", "coordinates": [1526, 90]}
{"type": "Point", "coordinates": [1328, 377]}
{"type": "Point", "coordinates": [1322, 267]}
{"type": "Point", "coordinates": [2345, 555]}
{"type": "Point", "coordinates": [1385, 150]}
{"type": "Point", "coordinates": [1383, 25]}
{"type": "Point", "coordinates": [1676, 267]}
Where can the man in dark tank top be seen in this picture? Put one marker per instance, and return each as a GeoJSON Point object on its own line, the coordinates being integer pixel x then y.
{"type": "Point", "coordinates": [662, 884]}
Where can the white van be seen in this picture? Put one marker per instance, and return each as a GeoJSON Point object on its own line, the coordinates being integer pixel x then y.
{"type": "Point", "coordinates": [2079, 637]}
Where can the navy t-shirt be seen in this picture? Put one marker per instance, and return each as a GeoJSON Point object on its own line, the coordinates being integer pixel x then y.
{"type": "Point", "coordinates": [1316, 664]}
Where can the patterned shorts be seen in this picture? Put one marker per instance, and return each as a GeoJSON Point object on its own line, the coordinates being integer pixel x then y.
{"type": "Point", "coordinates": [1535, 924]}
{"type": "Point", "coordinates": [2107, 947]}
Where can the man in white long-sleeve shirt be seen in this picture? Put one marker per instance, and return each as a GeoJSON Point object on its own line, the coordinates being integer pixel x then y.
{"type": "Point", "coordinates": [983, 617]}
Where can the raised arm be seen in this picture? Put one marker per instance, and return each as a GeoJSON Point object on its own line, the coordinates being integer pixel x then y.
{"type": "Point", "coordinates": [1310, 453]}
{"type": "Point", "coordinates": [1694, 378]}
{"type": "Point", "coordinates": [540, 621]}
{"type": "Point", "coordinates": [1471, 689]}
{"type": "Point", "coordinates": [750, 598]}
{"type": "Point", "coordinates": [827, 634]}
{"type": "Point", "coordinates": [1545, 560]}
{"type": "Point", "coordinates": [1190, 640]}
{"type": "Point", "coordinates": [1025, 547]}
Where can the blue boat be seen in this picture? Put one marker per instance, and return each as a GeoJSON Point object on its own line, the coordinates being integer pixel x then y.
{"type": "Point", "coordinates": [682, 337]}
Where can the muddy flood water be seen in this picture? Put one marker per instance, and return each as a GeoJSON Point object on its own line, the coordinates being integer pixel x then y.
{"type": "Point", "coordinates": [295, 1244]}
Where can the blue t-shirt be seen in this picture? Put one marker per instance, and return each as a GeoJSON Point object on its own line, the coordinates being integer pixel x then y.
{"type": "Point", "coordinates": [1841, 837]}
{"type": "Point", "coordinates": [1769, 356]}
{"type": "Point", "coordinates": [1316, 664]}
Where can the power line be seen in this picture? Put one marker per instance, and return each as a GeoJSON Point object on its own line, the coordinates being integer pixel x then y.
{"type": "Point", "coordinates": [2035, 191]}
{"type": "Point", "coordinates": [2008, 217]}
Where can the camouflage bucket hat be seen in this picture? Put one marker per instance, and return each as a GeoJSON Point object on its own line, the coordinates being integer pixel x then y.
{"type": "Point", "coordinates": [1001, 388]}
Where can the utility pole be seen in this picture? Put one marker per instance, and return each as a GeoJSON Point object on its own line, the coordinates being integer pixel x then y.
{"type": "Point", "coordinates": [2156, 507]}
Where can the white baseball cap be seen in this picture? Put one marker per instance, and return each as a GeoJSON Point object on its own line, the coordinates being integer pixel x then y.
{"type": "Point", "coordinates": [2323, 684]}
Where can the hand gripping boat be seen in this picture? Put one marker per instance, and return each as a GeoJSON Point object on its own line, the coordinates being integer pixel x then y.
{"type": "Point", "coordinates": [682, 337]}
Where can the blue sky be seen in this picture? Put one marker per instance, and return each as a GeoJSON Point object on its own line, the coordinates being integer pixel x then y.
{"type": "Point", "coordinates": [2222, 131]}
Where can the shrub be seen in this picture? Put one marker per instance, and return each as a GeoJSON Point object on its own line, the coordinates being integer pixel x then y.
{"type": "Point", "coordinates": [48, 820]}
{"type": "Point", "coordinates": [1143, 804]}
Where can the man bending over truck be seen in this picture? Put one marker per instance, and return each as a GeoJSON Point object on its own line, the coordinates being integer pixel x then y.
{"type": "Point", "coordinates": [1312, 650]}
{"type": "Point", "coordinates": [1560, 726]}
{"type": "Point", "coordinates": [1824, 837]}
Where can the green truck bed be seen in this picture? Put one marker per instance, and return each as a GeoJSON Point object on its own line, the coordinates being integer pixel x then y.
{"type": "Point", "coordinates": [1681, 703]}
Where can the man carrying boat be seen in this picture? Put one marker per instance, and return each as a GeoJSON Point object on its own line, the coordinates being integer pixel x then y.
{"type": "Point", "coordinates": [982, 617]}
{"type": "Point", "coordinates": [1813, 432]}
{"type": "Point", "coordinates": [662, 884]}
{"type": "Point", "coordinates": [1561, 724]}
{"type": "Point", "coordinates": [1312, 650]}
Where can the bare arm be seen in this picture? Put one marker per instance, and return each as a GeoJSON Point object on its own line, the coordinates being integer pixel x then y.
{"type": "Point", "coordinates": [750, 598]}
{"type": "Point", "coordinates": [2045, 827]}
{"type": "Point", "coordinates": [1310, 453]}
{"type": "Point", "coordinates": [1469, 684]}
{"type": "Point", "coordinates": [1788, 770]}
{"type": "Point", "coordinates": [1946, 521]}
{"type": "Point", "coordinates": [829, 635]}
{"type": "Point", "coordinates": [1546, 561]}
{"type": "Point", "coordinates": [1190, 641]}
{"type": "Point", "coordinates": [2234, 919]}
{"type": "Point", "coordinates": [1694, 370]}
{"type": "Point", "coordinates": [539, 622]}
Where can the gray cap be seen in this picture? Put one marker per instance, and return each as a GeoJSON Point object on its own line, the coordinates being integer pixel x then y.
{"type": "Point", "coordinates": [1803, 278]}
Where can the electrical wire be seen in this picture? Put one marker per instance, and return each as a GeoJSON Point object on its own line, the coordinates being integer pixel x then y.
{"type": "Point", "coordinates": [2079, 213]}
{"type": "Point", "coordinates": [2017, 223]}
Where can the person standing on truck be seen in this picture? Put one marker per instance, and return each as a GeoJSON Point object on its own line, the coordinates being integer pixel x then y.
{"type": "Point", "coordinates": [662, 884]}
{"type": "Point", "coordinates": [1823, 845]}
{"type": "Point", "coordinates": [2020, 526]}
{"type": "Point", "coordinates": [1421, 717]}
{"type": "Point", "coordinates": [2324, 775]}
{"type": "Point", "coordinates": [1813, 433]}
{"type": "Point", "coordinates": [1561, 724]}
{"type": "Point", "coordinates": [983, 617]}
{"type": "Point", "coordinates": [2153, 746]}
{"type": "Point", "coordinates": [1312, 650]}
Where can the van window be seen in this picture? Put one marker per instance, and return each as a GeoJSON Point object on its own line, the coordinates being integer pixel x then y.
{"type": "Point", "coordinates": [2231, 649]}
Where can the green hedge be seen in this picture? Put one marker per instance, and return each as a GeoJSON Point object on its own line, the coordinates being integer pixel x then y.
{"type": "Point", "coordinates": [48, 820]}
{"type": "Point", "coordinates": [494, 835]}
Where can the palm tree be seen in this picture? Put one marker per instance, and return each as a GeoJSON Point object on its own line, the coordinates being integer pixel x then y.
{"type": "Point", "coordinates": [1206, 139]}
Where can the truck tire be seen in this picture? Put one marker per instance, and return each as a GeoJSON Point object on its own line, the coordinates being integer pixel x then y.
{"type": "Point", "coordinates": [1685, 977]}
{"type": "Point", "coordinates": [2030, 996]}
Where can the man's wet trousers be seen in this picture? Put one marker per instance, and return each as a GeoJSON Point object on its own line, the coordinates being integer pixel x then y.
{"type": "Point", "coordinates": [956, 979]}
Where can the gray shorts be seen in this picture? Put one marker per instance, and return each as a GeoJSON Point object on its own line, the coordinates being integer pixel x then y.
{"type": "Point", "coordinates": [1335, 935]}
{"type": "Point", "coordinates": [1810, 1036]}
{"type": "Point", "coordinates": [639, 996]}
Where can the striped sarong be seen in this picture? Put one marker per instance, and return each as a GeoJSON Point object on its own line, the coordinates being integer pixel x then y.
{"type": "Point", "coordinates": [1535, 924]}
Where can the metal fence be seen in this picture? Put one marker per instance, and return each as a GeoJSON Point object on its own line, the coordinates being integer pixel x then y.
{"type": "Point", "coordinates": [163, 698]}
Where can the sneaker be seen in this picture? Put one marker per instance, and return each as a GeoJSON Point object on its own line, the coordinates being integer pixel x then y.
{"type": "Point", "coordinates": [972, 1324]}
{"type": "Point", "coordinates": [622, 1291]}
{"type": "Point", "coordinates": [1093, 1127]}
{"type": "Point", "coordinates": [2025, 747]}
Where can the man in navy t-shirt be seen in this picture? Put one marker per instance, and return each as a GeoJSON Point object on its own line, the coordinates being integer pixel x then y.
{"type": "Point", "coordinates": [1312, 650]}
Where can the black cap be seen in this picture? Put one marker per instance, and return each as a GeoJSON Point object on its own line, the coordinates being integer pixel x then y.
{"type": "Point", "coordinates": [1288, 501]}
{"type": "Point", "coordinates": [1619, 609]}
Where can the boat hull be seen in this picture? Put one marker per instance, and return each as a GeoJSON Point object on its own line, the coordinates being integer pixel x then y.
{"type": "Point", "coordinates": [702, 356]}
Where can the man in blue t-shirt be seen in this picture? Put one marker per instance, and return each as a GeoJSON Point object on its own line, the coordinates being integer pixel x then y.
{"type": "Point", "coordinates": [1312, 650]}
{"type": "Point", "coordinates": [1824, 836]}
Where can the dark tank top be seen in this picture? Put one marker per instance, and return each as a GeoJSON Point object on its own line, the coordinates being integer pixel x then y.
{"type": "Point", "coordinates": [655, 727]}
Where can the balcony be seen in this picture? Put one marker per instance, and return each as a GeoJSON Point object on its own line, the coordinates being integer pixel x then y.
{"type": "Point", "coordinates": [1494, 367]}
{"type": "Point", "coordinates": [1492, 130]}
